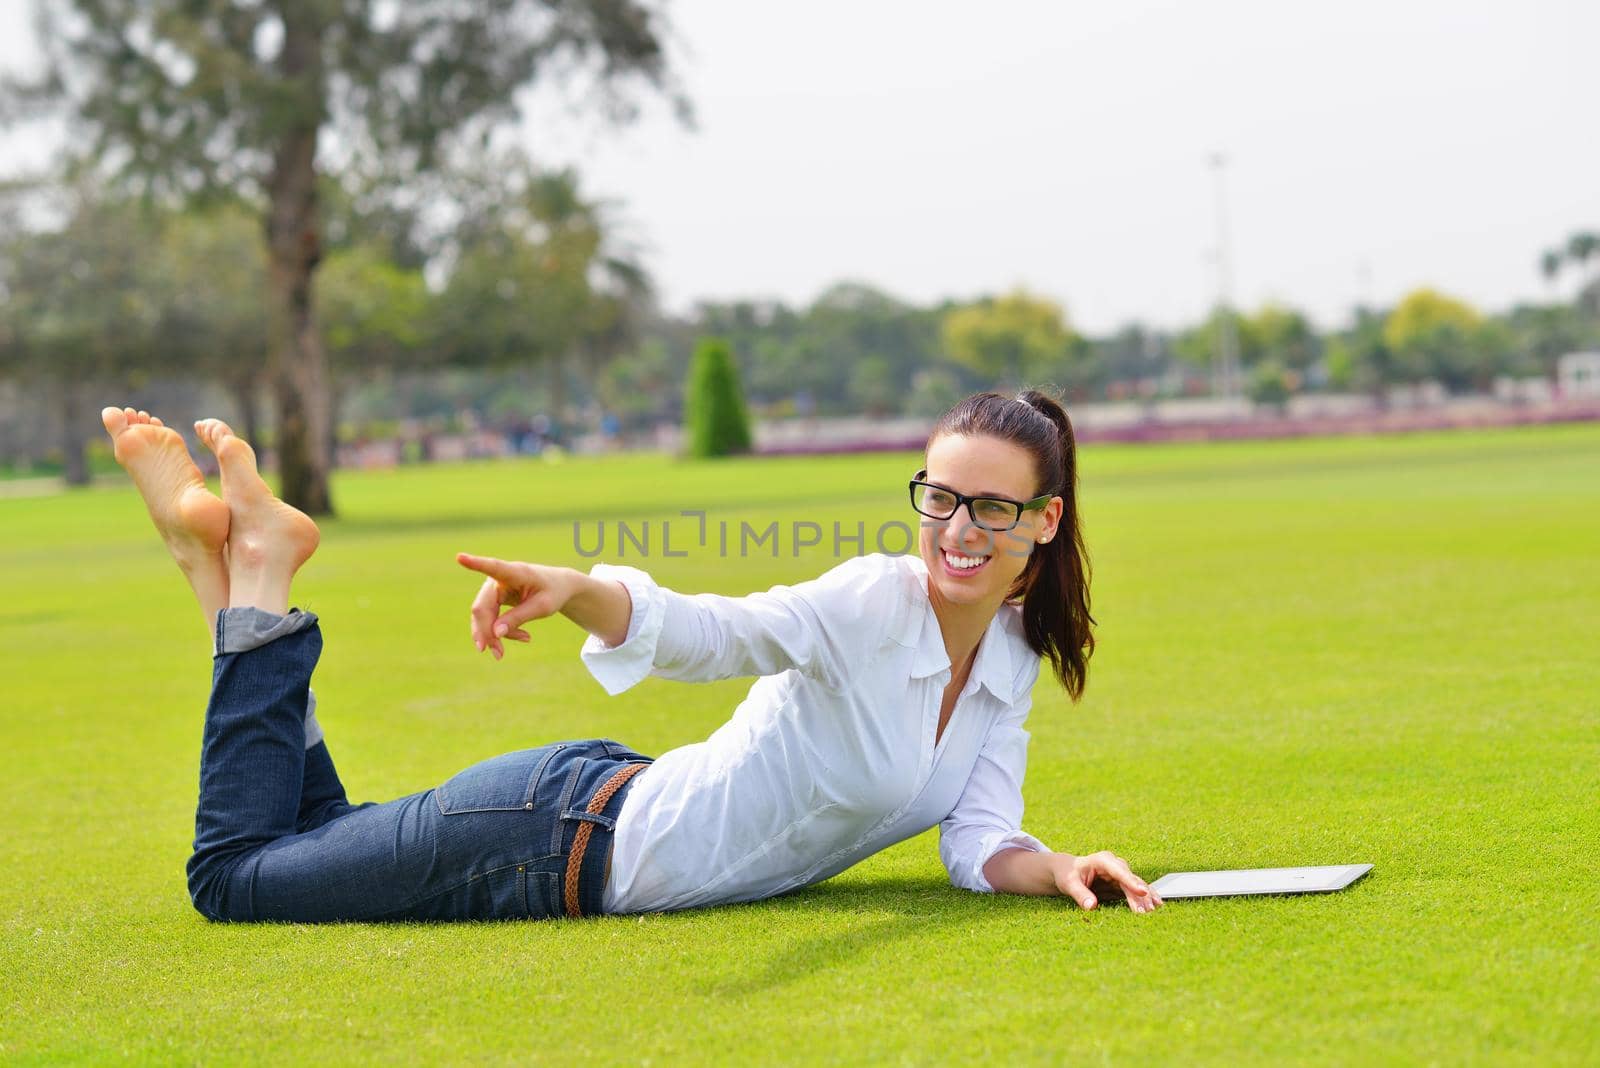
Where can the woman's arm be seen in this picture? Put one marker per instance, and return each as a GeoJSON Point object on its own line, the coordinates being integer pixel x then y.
{"type": "Point", "coordinates": [1021, 871]}
{"type": "Point", "coordinates": [534, 591]}
{"type": "Point", "coordinates": [985, 849]}
{"type": "Point", "coordinates": [603, 607]}
{"type": "Point", "coordinates": [637, 627]}
{"type": "Point", "coordinates": [822, 627]}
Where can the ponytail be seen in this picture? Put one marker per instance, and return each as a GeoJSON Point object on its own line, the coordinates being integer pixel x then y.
{"type": "Point", "coordinates": [1054, 585]}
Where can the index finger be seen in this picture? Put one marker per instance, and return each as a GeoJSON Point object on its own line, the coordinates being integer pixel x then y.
{"type": "Point", "coordinates": [488, 565]}
{"type": "Point", "coordinates": [1118, 869]}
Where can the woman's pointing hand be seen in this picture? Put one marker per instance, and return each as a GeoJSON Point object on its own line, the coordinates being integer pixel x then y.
{"type": "Point", "coordinates": [532, 591]}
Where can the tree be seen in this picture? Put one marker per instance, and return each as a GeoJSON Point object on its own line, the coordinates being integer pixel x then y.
{"type": "Point", "coordinates": [1009, 339]}
{"type": "Point", "coordinates": [1269, 385]}
{"type": "Point", "coordinates": [539, 275]}
{"type": "Point", "coordinates": [83, 303]}
{"type": "Point", "coordinates": [934, 391]}
{"type": "Point", "coordinates": [1132, 353]}
{"type": "Point", "coordinates": [1551, 261]}
{"type": "Point", "coordinates": [1581, 246]}
{"type": "Point", "coordinates": [1199, 345]}
{"type": "Point", "coordinates": [874, 388]}
{"type": "Point", "coordinates": [1433, 336]}
{"type": "Point", "coordinates": [635, 386]}
{"type": "Point", "coordinates": [1359, 358]}
{"type": "Point", "coordinates": [374, 316]}
{"type": "Point", "coordinates": [1544, 333]}
{"type": "Point", "coordinates": [188, 99]}
{"type": "Point", "coordinates": [714, 404]}
{"type": "Point", "coordinates": [216, 321]}
{"type": "Point", "coordinates": [836, 352]}
{"type": "Point", "coordinates": [1285, 336]}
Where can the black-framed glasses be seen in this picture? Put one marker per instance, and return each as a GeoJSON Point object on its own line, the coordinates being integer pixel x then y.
{"type": "Point", "coordinates": [990, 513]}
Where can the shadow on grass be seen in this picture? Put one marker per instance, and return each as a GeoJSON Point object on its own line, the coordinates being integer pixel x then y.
{"type": "Point", "coordinates": [914, 907]}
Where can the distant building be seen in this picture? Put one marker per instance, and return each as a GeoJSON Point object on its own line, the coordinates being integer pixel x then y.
{"type": "Point", "coordinates": [1578, 374]}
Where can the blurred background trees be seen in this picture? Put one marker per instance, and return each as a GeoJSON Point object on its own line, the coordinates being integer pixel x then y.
{"type": "Point", "coordinates": [1012, 339]}
{"type": "Point", "coordinates": [186, 102]}
{"type": "Point", "coordinates": [418, 270]}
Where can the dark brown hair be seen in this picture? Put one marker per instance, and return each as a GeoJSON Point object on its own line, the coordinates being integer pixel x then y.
{"type": "Point", "coordinates": [1054, 586]}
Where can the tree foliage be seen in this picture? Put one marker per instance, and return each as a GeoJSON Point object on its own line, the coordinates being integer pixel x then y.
{"type": "Point", "coordinates": [85, 302]}
{"type": "Point", "coordinates": [1010, 339]}
{"type": "Point", "coordinates": [1435, 336]}
{"type": "Point", "coordinates": [1273, 332]}
{"type": "Point", "coordinates": [539, 274]}
{"type": "Point", "coordinates": [194, 100]}
{"type": "Point", "coordinates": [714, 404]}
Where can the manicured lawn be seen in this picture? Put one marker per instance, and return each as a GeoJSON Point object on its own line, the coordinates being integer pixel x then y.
{"type": "Point", "coordinates": [1379, 650]}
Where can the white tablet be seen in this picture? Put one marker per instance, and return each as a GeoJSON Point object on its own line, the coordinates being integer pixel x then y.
{"type": "Point", "coordinates": [1179, 884]}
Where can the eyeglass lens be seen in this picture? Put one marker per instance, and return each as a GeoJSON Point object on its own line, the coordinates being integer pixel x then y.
{"type": "Point", "coordinates": [986, 511]}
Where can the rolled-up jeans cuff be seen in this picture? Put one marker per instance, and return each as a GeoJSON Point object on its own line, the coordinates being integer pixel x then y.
{"type": "Point", "coordinates": [241, 629]}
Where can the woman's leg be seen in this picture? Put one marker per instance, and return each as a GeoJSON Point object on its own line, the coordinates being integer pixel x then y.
{"type": "Point", "coordinates": [482, 847]}
{"type": "Point", "coordinates": [253, 757]}
{"type": "Point", "coordinates": [275, 838]}
{"type": "Point", "coordinates": [322, 796]}
{"type": "Point", "coordinates": [193, 521]}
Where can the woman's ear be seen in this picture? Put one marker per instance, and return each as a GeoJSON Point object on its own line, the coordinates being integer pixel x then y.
{"type": "Point", "coordinates": [1052, 520]}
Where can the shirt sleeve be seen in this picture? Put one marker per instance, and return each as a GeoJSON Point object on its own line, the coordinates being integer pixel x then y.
{"type": "Point", "coordinates": [819, 627]}
{"type": "Point", "coordinates": [988, 816]}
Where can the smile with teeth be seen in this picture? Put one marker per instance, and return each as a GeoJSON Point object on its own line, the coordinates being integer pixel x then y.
{"type": "Point", "coordinates": [963, 563]}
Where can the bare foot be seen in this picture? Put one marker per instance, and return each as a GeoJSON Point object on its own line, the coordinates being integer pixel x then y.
{"type": "Point", "coordinates": [268, 540]}
{"type": "Point", "coordinates": [192, 520]}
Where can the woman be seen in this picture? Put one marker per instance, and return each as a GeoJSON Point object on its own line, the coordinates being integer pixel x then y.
{"type": "Point", "coordinates": [891, 698]}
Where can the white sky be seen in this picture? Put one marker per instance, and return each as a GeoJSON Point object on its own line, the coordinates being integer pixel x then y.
{"type": "Point", "coordinates": [948, 149]}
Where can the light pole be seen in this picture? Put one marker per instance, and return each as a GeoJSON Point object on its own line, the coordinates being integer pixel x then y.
{"type": "Point", "coordinates": [1225, 362]}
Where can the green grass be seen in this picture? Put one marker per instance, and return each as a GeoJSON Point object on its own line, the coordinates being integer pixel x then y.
{"type": "Point", "coordinates": [1319, 651]}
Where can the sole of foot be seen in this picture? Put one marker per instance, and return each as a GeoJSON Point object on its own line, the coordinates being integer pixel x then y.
{"type": "Point", "coordinates": [192, 520]}
{"type": "Point", "coordinates": [265, 534]}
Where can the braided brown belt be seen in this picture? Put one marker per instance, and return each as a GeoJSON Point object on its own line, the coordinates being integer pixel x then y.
{"type": "Point", "coordinates": [580, 841]}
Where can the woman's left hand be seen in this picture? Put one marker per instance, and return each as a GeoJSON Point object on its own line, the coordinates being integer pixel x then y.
{"type": "Point", "coordinates": [1075, 875]}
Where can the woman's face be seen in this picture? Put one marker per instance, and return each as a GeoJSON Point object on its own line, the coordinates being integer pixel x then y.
{"type": "Point", "coordinates": [984, 466]}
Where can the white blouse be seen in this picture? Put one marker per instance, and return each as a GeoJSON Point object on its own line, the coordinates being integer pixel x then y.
{"type": "Point", "coordinates": [831, 755]}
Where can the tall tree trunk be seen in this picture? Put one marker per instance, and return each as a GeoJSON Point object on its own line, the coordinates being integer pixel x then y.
{"type": "Point", "coordinates": [245, 387]}
{"type": "Point", "coordinates": [75, 464]}
{"type": "Point", "coordinates": [299, 365]}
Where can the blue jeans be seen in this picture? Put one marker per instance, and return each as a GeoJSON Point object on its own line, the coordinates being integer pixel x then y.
{"type": "Point", "coordinates": [276, 838]}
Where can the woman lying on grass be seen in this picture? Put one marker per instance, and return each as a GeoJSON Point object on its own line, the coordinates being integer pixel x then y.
{"type": "Point", "coordinates": [892, 696]}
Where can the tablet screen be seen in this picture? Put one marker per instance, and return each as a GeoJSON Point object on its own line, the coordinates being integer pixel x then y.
{"type": "Point", "coordinates": [1259, 881]}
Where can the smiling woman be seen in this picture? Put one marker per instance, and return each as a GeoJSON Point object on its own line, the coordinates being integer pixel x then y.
{"type": "Point", "coordinates": [1018, 459]}
{"type": "Point", "coordinates": [890, 697]}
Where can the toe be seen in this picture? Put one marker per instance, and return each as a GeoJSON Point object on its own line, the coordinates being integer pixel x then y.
{"type": "Point", "coordinates": [114, 419]}
{"type": "Point", "coordinates": [214, 432]}
{"type": "Point", "coordinates": [156, 421]}
{"type": "Point", "coordinates": [133, 416]}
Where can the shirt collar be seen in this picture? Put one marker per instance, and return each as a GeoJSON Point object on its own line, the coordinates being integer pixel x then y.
{"type": "Point", "coordinates": [992, 669]}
